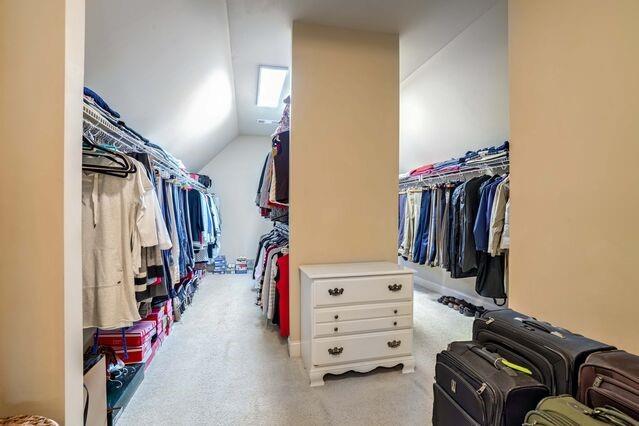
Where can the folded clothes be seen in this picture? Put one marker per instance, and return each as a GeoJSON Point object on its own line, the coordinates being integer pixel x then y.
{"type": "Point", "coordinates": [471, 155]}
{"type": "Point", "coordinates": [448, 163]}
{"type": "Point", "coordinates": [488, 157]}
{"type": "Point", "coordinates": [422, 170]}
{"type": "Point", "coordinates": [100, 102]}
{"type": "Point", "coordinates": [449, 169]}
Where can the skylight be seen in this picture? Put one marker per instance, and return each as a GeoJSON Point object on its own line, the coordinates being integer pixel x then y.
{"type": "Point", "coordinates": [269, 85]}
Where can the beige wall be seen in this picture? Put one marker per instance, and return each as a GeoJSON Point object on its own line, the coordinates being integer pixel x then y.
{"type": "Point", "coordinates": [574, 111]}
{"type": "Point", "coordinates": [344, 149]}
{"type": "Point", "coordinates": [41, 69]}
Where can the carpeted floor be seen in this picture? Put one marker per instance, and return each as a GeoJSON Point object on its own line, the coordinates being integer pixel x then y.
{"type": "Point", "coordinates": [223, 366]}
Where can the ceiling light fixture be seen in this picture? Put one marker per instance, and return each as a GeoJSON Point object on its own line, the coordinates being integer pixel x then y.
{"type": "Point", "coordinates": [269, 85]}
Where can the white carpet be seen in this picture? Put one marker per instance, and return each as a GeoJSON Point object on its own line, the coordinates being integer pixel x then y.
{"type": "Point", "coordinates": [223, 366]}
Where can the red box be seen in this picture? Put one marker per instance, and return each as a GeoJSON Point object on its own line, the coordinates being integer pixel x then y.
{"type": "Point", "coordinates": [135, 354]}
{"type": "Point", "coordinates": [154, 316]}
{"type": "Point", "coordinates": [163, 307]}
{"type": "Point", "coordinates": [151, 356]}
{"type": "Point", "coordinates": [135, 336]}
{"type": "Point", "coordinates": [161, 336]}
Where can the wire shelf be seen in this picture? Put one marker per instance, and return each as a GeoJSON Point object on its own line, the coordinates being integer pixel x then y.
{"type": "Point", "coordinates": [466, 172]}
{"type": "Point", "coordinates": [108, 134]}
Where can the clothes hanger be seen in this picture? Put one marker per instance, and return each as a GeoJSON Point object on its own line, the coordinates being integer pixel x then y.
{"type": "Point", "coordinates": [124, 166]}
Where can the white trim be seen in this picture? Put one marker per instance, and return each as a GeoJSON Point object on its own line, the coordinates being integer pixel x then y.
{"type": "Point", "coordinates": [447, 291]}
{"type": "Point", "coordinates": [316, 374]}
{"type": "Point", "coordinates": [294, 348]}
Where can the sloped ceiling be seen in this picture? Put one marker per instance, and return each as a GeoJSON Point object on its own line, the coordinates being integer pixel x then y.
{"type": "Point", "coordinates": [184, 72]}
{"type": "Point", "coordinates": [166, 67]}
{"type": "Point", "coordinates": [261, 35]}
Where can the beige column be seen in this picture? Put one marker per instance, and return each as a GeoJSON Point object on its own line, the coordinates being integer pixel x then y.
{"type": "Point", "coordinates": [574, 115]}
{"type": "Point", "coordinates": [41, 77]}
{"type": "Point", "coordinates": [344, 150]}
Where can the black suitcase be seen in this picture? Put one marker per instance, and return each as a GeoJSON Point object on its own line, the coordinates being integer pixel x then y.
{"type": "Point", "coordinates": [473, 387]}
{"type": "Point", "coordinates": [553, 354]}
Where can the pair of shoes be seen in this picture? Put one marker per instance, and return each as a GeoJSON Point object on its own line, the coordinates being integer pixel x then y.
{"type": "Point", "coordinates": [471, 310]}
{"type": "Point", "coordinates": [454, 303]}
{"type": "Point", "coordinates": [468, 311]}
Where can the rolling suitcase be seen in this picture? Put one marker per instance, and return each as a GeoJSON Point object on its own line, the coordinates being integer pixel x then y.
{"type": "Point", "coordinates": [552, 354]}
{"type": "Point", "coordinates": [611, 379]}
{"type": "Point", "coordinates": [473, 387]}
{"type": "Point", "coordinates": [566, 411]}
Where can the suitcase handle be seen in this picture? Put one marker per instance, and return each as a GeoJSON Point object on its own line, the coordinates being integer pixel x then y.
{"type": "Point", "coordinates": [538, 325]}
{"type": "Point", "coordinates": [494, 359]}
{"type": "Point", "coordinates": [612, 415]}
{"type": "Point", "coordinates": [487, 355]}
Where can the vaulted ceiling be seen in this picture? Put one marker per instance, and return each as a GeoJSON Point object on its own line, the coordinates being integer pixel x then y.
{"type": "Point", "coordinates": [184, 72]}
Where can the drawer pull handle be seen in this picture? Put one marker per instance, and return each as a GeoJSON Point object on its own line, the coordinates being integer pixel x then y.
{"type": "Point", "coordinates": [394, 344]}
{"type": "Point", "coordinates": [395, 287]}
{"type": "Point", "coordinates": [335, 329]}
{"type": "Point", "coordinates": [394, 322]}
{"type": "Point", "coordinates": [336, 291]}
{"type": "Point", "coordinates": [395, 311]}
{"type": "Point", "coordinates": [336, 316]}
{"type": "Point", "coordinates": [335, 350]}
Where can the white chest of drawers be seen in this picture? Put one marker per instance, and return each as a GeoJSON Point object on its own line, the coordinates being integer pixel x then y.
{"type": "Point", "coordinates": [356, 316]}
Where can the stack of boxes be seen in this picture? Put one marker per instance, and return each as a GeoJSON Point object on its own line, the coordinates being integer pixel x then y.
{"type": "Point", "coordinates": [219, 265]}
{"type": "Point", "coordinates": [138, 338]}
{"type": "Point", "coordinates": [162, 316]}
{"type": "Point", "coordinates": [144, 338]}
{"type": "Point", "coordinates": [241, 265]}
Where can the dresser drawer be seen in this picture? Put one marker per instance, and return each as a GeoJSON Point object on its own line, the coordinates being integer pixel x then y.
{"type": "Point", "coordinates": [357, 312]}
{"type": "Point", "coordinates": [338, 350]}
{"type": "Point", "coordinates": [363, 289]}
{"type": "Point", "coordinates": [363, 326]}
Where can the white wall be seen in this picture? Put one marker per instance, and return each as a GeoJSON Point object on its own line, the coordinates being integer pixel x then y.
{"type": "Point", "coordinates": [457, 101]}
{"type": "Point", "coordinates": [235, 172]}
{"type": "Point", "coordinates": [166, 67]}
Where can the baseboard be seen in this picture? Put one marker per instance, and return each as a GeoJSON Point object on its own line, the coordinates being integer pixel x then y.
{"type": "Point", "coordinates": [294, 348]}
{"type": "Point", "coordinates": [447, 291]}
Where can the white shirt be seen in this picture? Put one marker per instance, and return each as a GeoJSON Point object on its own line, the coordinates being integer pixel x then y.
{"type": "Point", "coordinates": [116, 223]}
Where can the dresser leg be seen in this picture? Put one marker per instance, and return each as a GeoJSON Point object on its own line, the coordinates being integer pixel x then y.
{"type": "Point", "coordinates": [409, 367]}
{"type": "Point", "coordinates": [317, 379]}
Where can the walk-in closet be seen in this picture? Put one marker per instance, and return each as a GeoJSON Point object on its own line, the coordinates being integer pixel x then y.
{"type": "Point", "coordinates": [299, 212]}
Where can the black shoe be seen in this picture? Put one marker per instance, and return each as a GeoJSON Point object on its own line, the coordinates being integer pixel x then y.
{"type": "Point", "coordinates": [470, 312]}
{"type": "Point", "coordinates": [479, 311]}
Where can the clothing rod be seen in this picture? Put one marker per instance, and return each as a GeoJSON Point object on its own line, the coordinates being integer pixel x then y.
{"type": "Point", "coordinates": [94, 122]}
{"type": "Point", "coordinates": [480, 168]}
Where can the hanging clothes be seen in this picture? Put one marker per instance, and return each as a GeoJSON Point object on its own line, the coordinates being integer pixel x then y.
{"type": "Point", "coordinates": [422, 232]}
{"type": "Point", "coordinates": [118, 219]}
{"type": "Point", "coordinates": [282, 291]}
{"type": "Point", "coordinates": [280, 166]}
{"type": "Point", "coordinates": [400, 219]}
{"type": "Point", "coordinates": [271, 247]}
{"type": "Point", "coordinates": [461, 227]}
